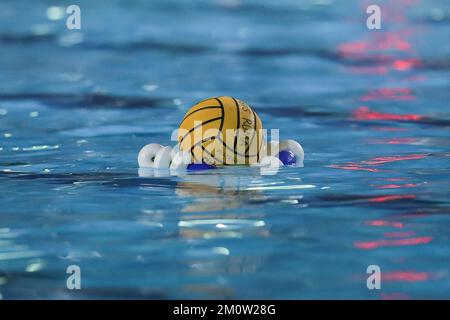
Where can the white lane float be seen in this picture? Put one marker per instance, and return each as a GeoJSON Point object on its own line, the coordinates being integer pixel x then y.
{"type": "Point", "coordinates": [276, 154]}
{"type": "Point", "coordinates": [163, 158]}
{"type": "Point", "coordinates": [146, 157]}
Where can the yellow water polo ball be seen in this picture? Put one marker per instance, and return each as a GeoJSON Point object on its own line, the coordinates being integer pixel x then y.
{"type": "Point", "coordinates": [221, 130]}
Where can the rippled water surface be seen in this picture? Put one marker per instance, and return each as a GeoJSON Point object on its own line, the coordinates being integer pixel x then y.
{"type": "Point", "coordinates": [371, 109]}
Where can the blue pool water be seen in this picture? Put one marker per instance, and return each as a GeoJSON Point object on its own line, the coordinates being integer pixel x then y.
{"type": "Point", "coordinates": [371, 109]}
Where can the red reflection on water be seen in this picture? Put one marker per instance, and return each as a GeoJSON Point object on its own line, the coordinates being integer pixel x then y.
{"type": "Point", "coordinates": [383, 160]}
{"type": "Point", "coordinates": [364, 113]}
{"type": "Point", "coordinates": [353, 47]}
{"type": "Point", "coordinates": [406, 64]}
{"type": "Point", "coordinates": [385, 223]}
{"type": "Point", "coordinates": [379, 42]}
{"type": "Point", "coordinates": [402, 94]}
{"type": "Point", "coordinates": [397, 186]}
{"type": "Point", "coordinates": [408, 276]}
{"type": "Point", "coordinates": [392, 198]}
{"type": "Point", "coordinates": [402, 141]}
{"type": "Point", "coordinates": [370, 245]}
{"type": "Point", "coordinates": [392, 41]}
{"type": "Point", "coordinates": [410, 141]}
{"type": "Point", "coordinates": [378, 52]}
{"type": "Point", "coordinates": [373, 49]}
{"type": "Point", "coordinates": [364, 165]}
{"type": "Point", "coordinates": [353, 167]}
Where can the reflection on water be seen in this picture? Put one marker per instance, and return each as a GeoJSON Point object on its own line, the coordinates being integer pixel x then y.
{"type": "Point", "coordinates": [9, 250]}
{"type": "Point", "coordinates": [208, 196]}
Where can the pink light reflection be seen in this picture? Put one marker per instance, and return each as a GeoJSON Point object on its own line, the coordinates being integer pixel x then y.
{"type": "Point", "coordinates": [364, 113]}
{"type": "Point", "coordinates": [405, 276]}
{"type": "Point", "coordinates": [370, 245]}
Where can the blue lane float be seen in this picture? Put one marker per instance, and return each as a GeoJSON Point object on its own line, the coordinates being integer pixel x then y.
{"type": "Point", "coordinates": [287, 157]}
{"type": "Point", "coordinates": [199, 167]}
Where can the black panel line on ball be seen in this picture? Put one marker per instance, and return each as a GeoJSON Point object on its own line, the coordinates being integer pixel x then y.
{"type": "Point", "coordinates": [223, 114]}
{"type": "Point", "coordinates": [238, 123]}
{"type": "Point", "coordinates": [201, 143]}
{"type": "Point", "coordinates": [197, 126]}
{"type": "Point", "coordinates": [260, 146]}
{"type": "Point", "coordinates": [254, 132]}
{"type": "Point", "coordinates": [234, 151]}
{"type": "Point", "coordinates": [203, 108]}
{"type": "Point", "coordinates": [192, 153]}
